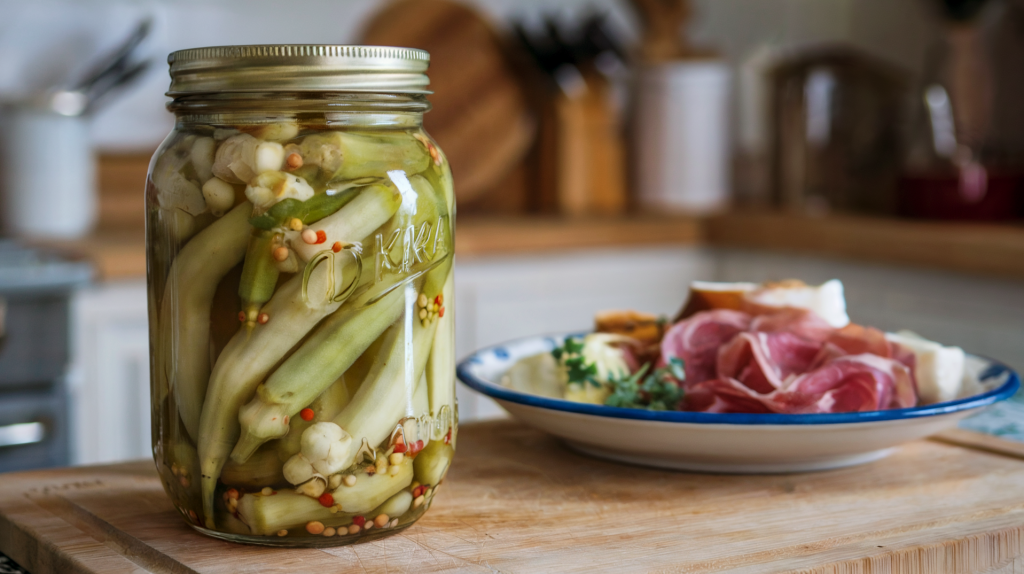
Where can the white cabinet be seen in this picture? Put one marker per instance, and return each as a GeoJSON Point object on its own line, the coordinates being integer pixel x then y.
{"type": "Point", "coordinates": [109, 378]}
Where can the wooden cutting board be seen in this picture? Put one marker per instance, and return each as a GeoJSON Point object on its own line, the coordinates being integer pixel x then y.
{"type": "Point", "coordinates": [517, 501]}
{"type": "Point", "coordinates": [481, 117]}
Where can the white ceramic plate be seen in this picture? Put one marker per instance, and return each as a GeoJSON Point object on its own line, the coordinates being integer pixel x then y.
{"type": "Point", "coordinates": [729, 443]}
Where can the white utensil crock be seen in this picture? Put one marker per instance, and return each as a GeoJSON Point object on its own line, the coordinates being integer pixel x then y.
{"type": "Point", "coordinates": [681, 138]}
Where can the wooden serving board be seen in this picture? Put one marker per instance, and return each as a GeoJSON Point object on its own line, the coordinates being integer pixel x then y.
{"type": "Point", "coordinates": [518, 501]}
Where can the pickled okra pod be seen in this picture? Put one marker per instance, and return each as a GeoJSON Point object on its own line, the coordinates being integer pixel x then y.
{"type": "Point", "coordinates": [441, 363]}
{"type": "Point", "coordinates": [310, 211]}
{"type": "Point", "coordinates": [286, 510]}
{"type": "Point", "coordinates": [193, 278]}
{"type": "Point", "coordinates": [259, 275]}
{"type": "Point", "coordinates": [380, 400]}
{"type": "Point", "coordinates": [246, 361]}
{"type": "Point", "coordinates": [371, 208]}
{"type": "Point", "coordinates": [346, 155]}
{"type": "Point", "coordinates": [332, 349]}
{"type": "Point", "coordinates": [249, 357]}
{"type": "Point", "coordinates": [321, 360]}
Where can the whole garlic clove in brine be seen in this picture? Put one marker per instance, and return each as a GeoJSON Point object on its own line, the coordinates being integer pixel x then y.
{"type": "Point", "coordinates": [241, 158]}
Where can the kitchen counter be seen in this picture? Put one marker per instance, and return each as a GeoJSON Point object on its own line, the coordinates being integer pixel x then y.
{"type": "Point", "coordinates": [118, 249]}
{"type": "Point", "coordinates": [518, 501]}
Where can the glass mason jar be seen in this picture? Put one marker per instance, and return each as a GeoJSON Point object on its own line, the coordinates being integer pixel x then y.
{"type": "Point", "coordinates": [300, 236]}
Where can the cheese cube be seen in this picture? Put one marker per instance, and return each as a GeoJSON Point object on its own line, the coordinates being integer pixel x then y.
{"type": "Point", "coordinates": [939, 370]}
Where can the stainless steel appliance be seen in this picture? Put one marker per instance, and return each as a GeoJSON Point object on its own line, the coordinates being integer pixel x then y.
{"type": "Point", "coordinates": [35, 291]}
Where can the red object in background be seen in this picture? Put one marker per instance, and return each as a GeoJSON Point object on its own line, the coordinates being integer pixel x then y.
{"type": "Point", "coordinates": [978, 195]}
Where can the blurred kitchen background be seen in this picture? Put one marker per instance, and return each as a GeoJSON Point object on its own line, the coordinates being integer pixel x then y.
{"type": "Point", "coordinates": [606, 153]}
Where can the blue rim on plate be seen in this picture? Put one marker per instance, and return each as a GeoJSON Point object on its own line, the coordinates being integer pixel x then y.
{"type": "Point", "coordinates": [496, 391]}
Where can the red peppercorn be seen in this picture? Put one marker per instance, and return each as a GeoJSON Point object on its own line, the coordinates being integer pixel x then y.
{"type": "Point", "coordinates": [321, 236]}
{"type": "Point", "coordinates": [326, 499]}
{"type": "Point", "coordinates": [241, 316]}
{"type": "Point", "coordinates": [307, 414]}
{"type": "Point", "coordinates": [437, 299]}
{"type": "Point", "coordinates": [440, 312]}
{"type": "Point", "coordinates": [359, 520]}
{"type": "Point", "coordinates": [263, 318]}
{"type": "Point", "coordinates": [336, 247]}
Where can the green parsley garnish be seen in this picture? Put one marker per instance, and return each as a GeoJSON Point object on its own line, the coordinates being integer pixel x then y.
{"type": "Point", "coordinates": [578, 370]}
{"type": "Point", "coordinates": [657, 391]}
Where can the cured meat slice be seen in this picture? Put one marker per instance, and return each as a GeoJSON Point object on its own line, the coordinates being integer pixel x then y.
{"type": "Point", "coordinates": [697, 340]}
{"type": "Point", "coordinates": [904, 389]}
{"type": "Point", "coordinates": [791, 354]}
{"type": "Point", "coordinates": [800, 322]}
{"type": "Point", "coordinates": [763, 361]}
{"type": "Point", "coordinates": [854, 383]}
{"type": "Point", "coordinates": [725, 396]}
{"type": "Point", "coordinates": [825, 355]}
{"type": "Point", "coordinates": [745, 359]}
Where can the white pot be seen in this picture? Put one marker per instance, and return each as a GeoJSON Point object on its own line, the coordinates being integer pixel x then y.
{"type": "Point", "coordinates": [47, 175]}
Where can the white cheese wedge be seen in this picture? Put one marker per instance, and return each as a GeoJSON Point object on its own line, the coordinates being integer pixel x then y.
{"type": "Point", "coordinates": [939, 370]}
{"type": "Point", "coordinates": [826, 300]}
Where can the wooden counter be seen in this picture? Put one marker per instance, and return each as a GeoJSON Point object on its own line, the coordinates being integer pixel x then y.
{"type": "Point", "coordinates": [517, 501]}
{"type": "Point", "coordinates": [988, 249]}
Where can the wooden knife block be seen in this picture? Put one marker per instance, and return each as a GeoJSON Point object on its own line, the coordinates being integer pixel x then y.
{"type": "Point", "coordinates": [581, 159]}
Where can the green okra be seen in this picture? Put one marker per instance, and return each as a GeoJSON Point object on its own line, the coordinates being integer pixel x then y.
{"type": "Point", "coordinates": [244, 362]}
{"type": "Point", "coordinates": [250, 356]}
{"type": "Point", "coordinates": [287, 509]}
{"type": "Point", "coordinates": [325, 407]}
{"type": "Point", "coordinates": [313, 209]}
{"type": "Point", "coordinates": [372, 490]}
{"type": "Point", "coordinates": [386, 395]}
{"type": "Point", "coordinates": [349, 155]}
{"type": "Point", "coordinates": [185, 309]}
{"type": "Point", "coordinates": [397, 505]}
{"type": "Point", "coordinates": [441, 364]}
{"type": "Point", "coordinates": [259, 274]}
{"type": "Point", "coordinates": [264, 468]}
{"type": "Point", "coordinates": [338, 343]}
{"type": "Point", "coordinates": [318, 363]}
{"type": "Point", "coordinates": [372, 207]}
{"type": "Point", "coordinates": [431, 464]}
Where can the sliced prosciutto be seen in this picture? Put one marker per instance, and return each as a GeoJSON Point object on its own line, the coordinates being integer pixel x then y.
{"type": "Point", "coordinates": [787, 361]}
{"type": "Point", "coordinates": [725, 396]}
{"type": "Point", "coordinates": [696, 341]}
{"type": "Point", "coordinates": [800, 322]}
{"type": "Point", "coordinates": [763, 362]}
{"type": "Point", "coordinates": [851, 384]}
{"type": "Point", "coordinates": [854, 383]}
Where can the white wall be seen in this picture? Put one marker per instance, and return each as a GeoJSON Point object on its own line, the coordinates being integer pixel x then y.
{"type": "Point", "coordinates": [44, 42]}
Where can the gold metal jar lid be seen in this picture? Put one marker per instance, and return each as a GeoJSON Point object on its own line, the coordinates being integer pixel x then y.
{"type": "Point", "coordinates": [298, 68]}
